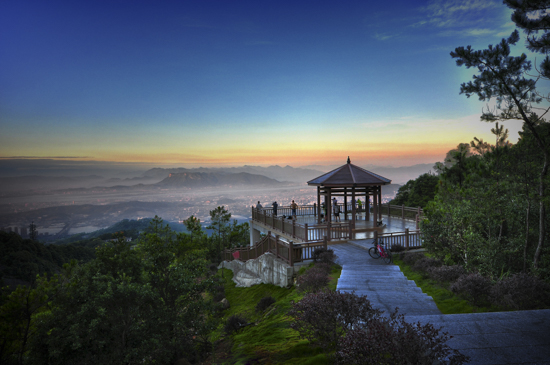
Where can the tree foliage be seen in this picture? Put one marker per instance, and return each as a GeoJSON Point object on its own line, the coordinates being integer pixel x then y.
{"type": "Point", "coordinates": [417, 192]}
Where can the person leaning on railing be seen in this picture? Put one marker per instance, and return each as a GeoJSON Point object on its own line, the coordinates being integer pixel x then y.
{"type": "Point", "coordinates": [293, 207]}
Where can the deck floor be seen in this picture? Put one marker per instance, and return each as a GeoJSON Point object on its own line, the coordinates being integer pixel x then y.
{"type": "Point", "coordinates": [365, 229]}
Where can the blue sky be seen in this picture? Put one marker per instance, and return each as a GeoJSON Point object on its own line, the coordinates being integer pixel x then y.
{"type": "Point", "coordinates": [241, 82]}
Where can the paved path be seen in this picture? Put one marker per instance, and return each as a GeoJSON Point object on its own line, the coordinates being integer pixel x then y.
{"type": "Point", "coordinates": [488, 338]}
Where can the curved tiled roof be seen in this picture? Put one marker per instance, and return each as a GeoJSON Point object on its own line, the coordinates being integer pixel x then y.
{"type": "Point", "coordinates": [349, 175]}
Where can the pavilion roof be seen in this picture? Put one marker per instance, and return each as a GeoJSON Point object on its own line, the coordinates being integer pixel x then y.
{"type": "Point", "coordinates": [349, 175]}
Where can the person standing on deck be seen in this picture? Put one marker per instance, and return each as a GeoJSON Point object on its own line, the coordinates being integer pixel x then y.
{"type": "Point", "coordinates": [336, 210]}
{"type": "Point", "coordinates": [293, 207]}
{"type": "Point", "coordinates": [275, 205]}
{"type": "Point", "coordinates": [259, 206]}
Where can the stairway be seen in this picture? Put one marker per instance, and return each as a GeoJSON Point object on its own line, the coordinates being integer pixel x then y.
{"type": "Point", "coordinates": [384, 284]}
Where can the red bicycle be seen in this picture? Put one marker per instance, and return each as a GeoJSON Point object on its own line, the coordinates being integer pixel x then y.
{"type": "Point", "coordinates": [379, 251]}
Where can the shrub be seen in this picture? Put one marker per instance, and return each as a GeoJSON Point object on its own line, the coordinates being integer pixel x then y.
{"type": "Point", "coordinates": [264, 303]}
{"type": "Point", "coordinates": [219, 293]}
{"type": "Point", "coordinates": [234, 324]}
{"type": "Point", "coordinates": [325, 316]}
{"type": "Point", "coordinates": [324, 267]}
{"type": "Point", "coordinates": [473, 287]}
{"type": "Point", "coordinates": [521, 292]}
{"type": "Point", "coordinates": [397, 248]}
{"type": "Point", "coordinates": [409, 258]}
{"type": "Point", "coordinates": [426, 263]}
{"type": "Point", "coordinates": [313, 280]}
{"type": "Point", "coordinates": [395, 341]}
{"type": "Point", "coordinates": [323, 255]}
{"type": "Point", "coordinates": [446, 273]}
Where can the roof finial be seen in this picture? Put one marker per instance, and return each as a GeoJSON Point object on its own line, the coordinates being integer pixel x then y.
{"type": "Point", "coordinates": [349, 160]}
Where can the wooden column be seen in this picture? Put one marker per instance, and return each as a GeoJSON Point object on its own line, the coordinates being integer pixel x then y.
{"type": "Point", "coordinates": [367, 205]}
{"type": "Point", "coordinates": [328, 203]}
{"type": "Point", "coordinates": [380, 202]}
{"type": "Point", "coordinates": [319, 210]}
{"type": "Point", "coordinates": [375, 206]}
{"type": "Point", "coordinates": [345, 204]}
{"type": "Point", "coordinates": [353, 208]}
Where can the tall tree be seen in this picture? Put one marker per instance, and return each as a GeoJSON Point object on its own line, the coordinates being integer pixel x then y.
{"type": "Point", "coordinates": [531, 16]}
{"type": "Point", "coordinates": [220, 218]}
{"type": "Point", "coordinates": [501, 77]}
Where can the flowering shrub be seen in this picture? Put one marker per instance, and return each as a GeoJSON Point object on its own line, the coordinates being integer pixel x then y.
{"type": "Point", "coordinates": [323, 255]}
{"type": "Point", "coordinates": [473, 287]}
{"type": "Point", "coordinates": [521, 292]}
{"type": "Point", "coordinates": [234, 324]}
{"type": "Point", "coordinates": [394, 341]}
{"type": "Point", "coordinates": [325, 316]}
{"type": "Point", "coordinates": [446, 273]}
{"type": "Point", "coordinates": [409, 258]}
{"type": "Point", "coordinates": [264, 303]}
{"type": "Point", "coordinates": [313, 280]}
{"type": "Point", "coordinates": [426, 263]}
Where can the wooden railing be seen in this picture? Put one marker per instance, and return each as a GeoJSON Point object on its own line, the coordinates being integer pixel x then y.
{"type": "Point", "coordinates": [407, 239]}
{"type": "Point", "coordinates": [303, 232]}
{"type": "Point", "coordinates": [286, 251]}
{"type": "Point", "coordinates": [401, 211]}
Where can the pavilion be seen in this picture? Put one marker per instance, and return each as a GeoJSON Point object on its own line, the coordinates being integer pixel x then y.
{"type": "Point", "coordinates": [350, 181]}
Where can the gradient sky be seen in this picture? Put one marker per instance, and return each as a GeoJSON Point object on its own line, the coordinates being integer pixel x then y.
{"type": "Point", "coordinates": [241, 82]}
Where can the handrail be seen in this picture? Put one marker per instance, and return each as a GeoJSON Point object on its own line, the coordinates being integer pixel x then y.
{"type": "Point", "coordinates": [276, 246]}
{"type": "Point", "coordinates": [304, 232]}
{"type": "Point", "coordinates": [408, 239]}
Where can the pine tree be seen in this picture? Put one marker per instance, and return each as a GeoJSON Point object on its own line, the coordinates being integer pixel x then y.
{"type": "Point", "coordinates": [532, 17]}
{"type": "Point", "coordinates": [501, 77]}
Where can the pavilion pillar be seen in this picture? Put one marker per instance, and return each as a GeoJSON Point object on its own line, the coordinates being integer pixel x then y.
{"type": "Point", "coordinates": [352, 208]}
{"type": "Point", "coordinates": [345, 203]}
{"type": "Point", "coordinates": [367, 205]}
{"type": "Point", "coordinates": [380, 203]}
{"type": "Point", "coordinates": [328, 203]}
{"type": "Point", "coordinates": [375, 206]}
{"type": "Point", "coordinates": [319, 210]}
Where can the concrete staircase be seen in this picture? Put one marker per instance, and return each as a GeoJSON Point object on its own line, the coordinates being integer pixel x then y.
{"type": "Point", "coordinates": [521, 337]}
{"type": "Point", "coordinates": [384, 284]}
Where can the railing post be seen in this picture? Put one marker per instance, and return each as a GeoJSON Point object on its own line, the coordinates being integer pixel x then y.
{"type": "Point", "coordinates": [406, 238]}
{"type": "Point", "coordinates": [329, 224]}
{"type": "Point", "coordinates": [375, 236]}
{"type": "Point", "coordinates": [417, 219]}
{"type": "Point", "coordinates": [350, 231]}
{"type": "Point", "coordinates": [277, 246]}
{"type": "Point", "coordinates": [293, 228]}
{"type": "Point", "coordinates": [306, 232]}
{"type": "Point", "coordinates": [291, 253]}
{"type": "Point", "coordinates": [325, 242]}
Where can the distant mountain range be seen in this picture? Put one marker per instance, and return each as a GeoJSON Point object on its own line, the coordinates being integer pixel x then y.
{"type": "Point", "coordinates": [207, 179]}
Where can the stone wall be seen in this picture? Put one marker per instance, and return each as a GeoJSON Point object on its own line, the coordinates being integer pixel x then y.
{"type": "Point", "coordinates": [266, 269]}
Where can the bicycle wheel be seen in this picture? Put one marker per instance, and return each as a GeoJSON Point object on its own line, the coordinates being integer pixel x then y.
{"type": "Point", "coordinates": [387, 257]}
{"type": "Point", "coordinates": [373, 252]}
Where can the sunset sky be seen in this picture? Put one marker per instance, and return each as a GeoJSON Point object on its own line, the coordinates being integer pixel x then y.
{"type": "Point", "coordinates": [214, 83]}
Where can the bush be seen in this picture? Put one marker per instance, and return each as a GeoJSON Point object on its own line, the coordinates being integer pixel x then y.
{"type": "Point", "coordinates": [397, 248]}
{"type": "Point", "coordinates": [264, 303]}
{"type": "Point", "coordinates": [426, 263]}
{"type": "Point", "coordinates": [395, 341]}
{"type": "Point", "coordinates": [325, 316]}
{"type": "Point", "coordinates": [323, 255]}
{"type": "Point", "coordinates": [521, 292]}
{"type": "Point", "coordinates": [234, 324]}
{"type": "Point", "coordinates": [409, 258]}
{"type": "Point", "coordinates": [473, 287]}
{"type": "Point", "coordinates": [313, 280]}
{"type": "Point", "coordinates": [219, 293]}
{"type": "Point", "coordinates": [446, 273]}
{"type": "Point", "coordinates": [324, 267]}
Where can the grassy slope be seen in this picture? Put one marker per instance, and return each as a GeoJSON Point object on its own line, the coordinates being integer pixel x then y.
{"type": "Point", "coordinates": [270, 340]}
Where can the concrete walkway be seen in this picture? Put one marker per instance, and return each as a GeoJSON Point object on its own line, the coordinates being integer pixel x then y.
{"type": "Point", "coordinates": [488, 338]}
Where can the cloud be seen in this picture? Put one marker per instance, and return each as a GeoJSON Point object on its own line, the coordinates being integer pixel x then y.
{"type": "Point", "coordinates": [45, 157]}
{"type": "Point", "coordinates": [384, 37]}
{"type": "Point", "coordinates": [457, 13]}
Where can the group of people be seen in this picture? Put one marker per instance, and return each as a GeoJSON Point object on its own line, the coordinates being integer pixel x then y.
{"type": "Point", "coordinates": [294, 207]}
